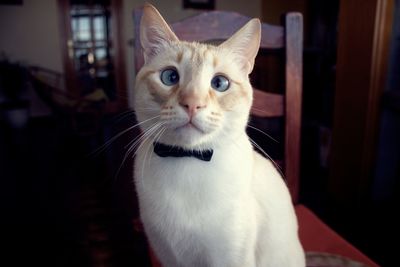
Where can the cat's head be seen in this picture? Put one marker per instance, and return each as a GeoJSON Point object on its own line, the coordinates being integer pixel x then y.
{"type": "Point", "coordinates": [190, 94]}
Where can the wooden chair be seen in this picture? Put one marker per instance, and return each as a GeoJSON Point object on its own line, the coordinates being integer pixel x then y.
{"type": "Point", "coordinates": [219, 25]}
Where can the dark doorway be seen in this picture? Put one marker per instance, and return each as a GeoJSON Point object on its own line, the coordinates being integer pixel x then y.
{"type": "Point", "coordinates": [92, 49]}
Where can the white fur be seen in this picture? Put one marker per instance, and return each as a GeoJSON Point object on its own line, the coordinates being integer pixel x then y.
{"type": "Point", "coordinates": [232, 211]}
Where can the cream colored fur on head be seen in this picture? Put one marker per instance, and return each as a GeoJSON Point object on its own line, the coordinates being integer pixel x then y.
{"type": "Point", "coordinates": [234, 210]}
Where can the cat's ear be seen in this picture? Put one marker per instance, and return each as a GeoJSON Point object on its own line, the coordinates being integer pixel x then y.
{"type": "Point", "coordinates": [245, 44]}
{"type": "Point", "coordinates": [154, 31]}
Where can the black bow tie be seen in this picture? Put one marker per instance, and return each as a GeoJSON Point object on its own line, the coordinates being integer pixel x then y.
{"type": "Point", "coordinates": [163, 150]}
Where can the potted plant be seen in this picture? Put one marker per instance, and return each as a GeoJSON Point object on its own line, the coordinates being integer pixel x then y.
{"type": "Point", "coordinates": [14, 80]}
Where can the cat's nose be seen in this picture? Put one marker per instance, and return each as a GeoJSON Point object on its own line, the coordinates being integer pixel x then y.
{"type": "Point", "coordinates": [192, 104]}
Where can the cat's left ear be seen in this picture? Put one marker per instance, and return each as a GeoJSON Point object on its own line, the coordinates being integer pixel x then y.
{"type": "Point", "coordinates": [245, 44]}
{"type": "Point", "coordinates": [154, 32]}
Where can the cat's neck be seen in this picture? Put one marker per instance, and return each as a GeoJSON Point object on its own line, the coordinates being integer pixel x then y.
{"type": "Point", "coordinates": [222, 142]}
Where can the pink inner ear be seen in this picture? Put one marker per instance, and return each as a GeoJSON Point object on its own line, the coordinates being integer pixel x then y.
{"type": "Point", "coordinates": [245, 44]}
{"type": "Point", "coordinates": [153, 39]}
{"type": "Point", "coordinates": [154, 32]}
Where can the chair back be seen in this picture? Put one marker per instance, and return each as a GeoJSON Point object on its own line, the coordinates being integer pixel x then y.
{"type": "Point", "coordinates": [220, 25]}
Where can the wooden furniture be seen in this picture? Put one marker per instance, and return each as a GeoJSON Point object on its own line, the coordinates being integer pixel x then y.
{"type": "Point", "coordinates": [219, 25]}
{"type": "Point", "coordinates": [82, 114]}
{"type": "Point", "coordinates": [360, 82]}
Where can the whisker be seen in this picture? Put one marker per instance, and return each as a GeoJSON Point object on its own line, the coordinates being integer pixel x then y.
{"type": "Point", "coordinates": [160, 133]}
{"type": "Point", "coordinates": [138, 144]}
{"type": "Point", "coordinates": [122, 164]}
{"type": "Point", "coordinates": [139, 136]}
{"type": "Point", "coordinates": [124, 115]}
{"type": "Point", "coordinates": [264, 133]}
{"type": "Point", "coordinates": [129, 151]}
{"type": "Point", "coordinates": [132, 148]}
{"type": "Point", "coordinates": [268, 156]}
{"type": "Point", "coordinates": [131, 112]}
{"type": "Point", "coordinates": [257, 109]}
{"type": "Point", "coordinates": [142, 143]}
{"type": "Point", "coordinates": [144, 164]}
{"type": "Point", "coordinates": [149, 148]}
{"type": "Point", "coordinates": [105, 145]}
{"type": "Point", "coordinates": [134, 143]}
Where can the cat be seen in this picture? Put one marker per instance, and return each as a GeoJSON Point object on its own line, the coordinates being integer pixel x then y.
{"type": "Point", "coordinates": [206, 198]}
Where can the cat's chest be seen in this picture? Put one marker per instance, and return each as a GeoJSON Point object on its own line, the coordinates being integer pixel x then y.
{"type": "Point", "coordinates": [191, 175]}
{"type": "Point", "coordinates": [190, 198]}
{"type": "Point", "coordinates": [190, 182]}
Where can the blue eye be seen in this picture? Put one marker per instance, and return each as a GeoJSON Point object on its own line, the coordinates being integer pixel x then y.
{"type": "Point", "coordinates": [169, 77]}
{"type": "Point", "coordinates": [220, 83]}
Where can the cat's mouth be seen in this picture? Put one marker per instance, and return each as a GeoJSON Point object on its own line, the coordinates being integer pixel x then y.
{"type": "Point", "coordinates": [190, 126]}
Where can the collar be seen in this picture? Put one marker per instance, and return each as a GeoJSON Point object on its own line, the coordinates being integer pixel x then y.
{"type": "Point", "coordinates": [163, 150]}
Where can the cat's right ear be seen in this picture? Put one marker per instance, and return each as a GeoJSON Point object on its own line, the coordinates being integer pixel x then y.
{"type": "Point", "coordinates": [154, 32]}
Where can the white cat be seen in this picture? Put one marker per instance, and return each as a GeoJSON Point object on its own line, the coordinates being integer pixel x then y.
{"type": "Point", "coordinates": [206, 197]}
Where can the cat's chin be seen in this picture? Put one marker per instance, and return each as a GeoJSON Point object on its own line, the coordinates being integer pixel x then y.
{"type": "Point", "coordinates": [189, 128]}
{"type": "Point", "coordinates": [187, 136]}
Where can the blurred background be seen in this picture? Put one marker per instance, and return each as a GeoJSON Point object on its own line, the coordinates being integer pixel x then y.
{"type": "Point", "coordinates": [66, 78]}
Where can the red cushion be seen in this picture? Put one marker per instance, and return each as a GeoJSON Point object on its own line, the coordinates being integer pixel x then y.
{"type": "Point", "coordinates": [317, 236]}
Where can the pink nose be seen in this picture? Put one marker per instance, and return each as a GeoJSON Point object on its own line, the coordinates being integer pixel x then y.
{"type": "Point", "coordinates": [192, 104]}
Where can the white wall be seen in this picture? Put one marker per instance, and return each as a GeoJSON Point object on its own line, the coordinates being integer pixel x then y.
{"type": "Point", "coordinates": [29, 33]}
